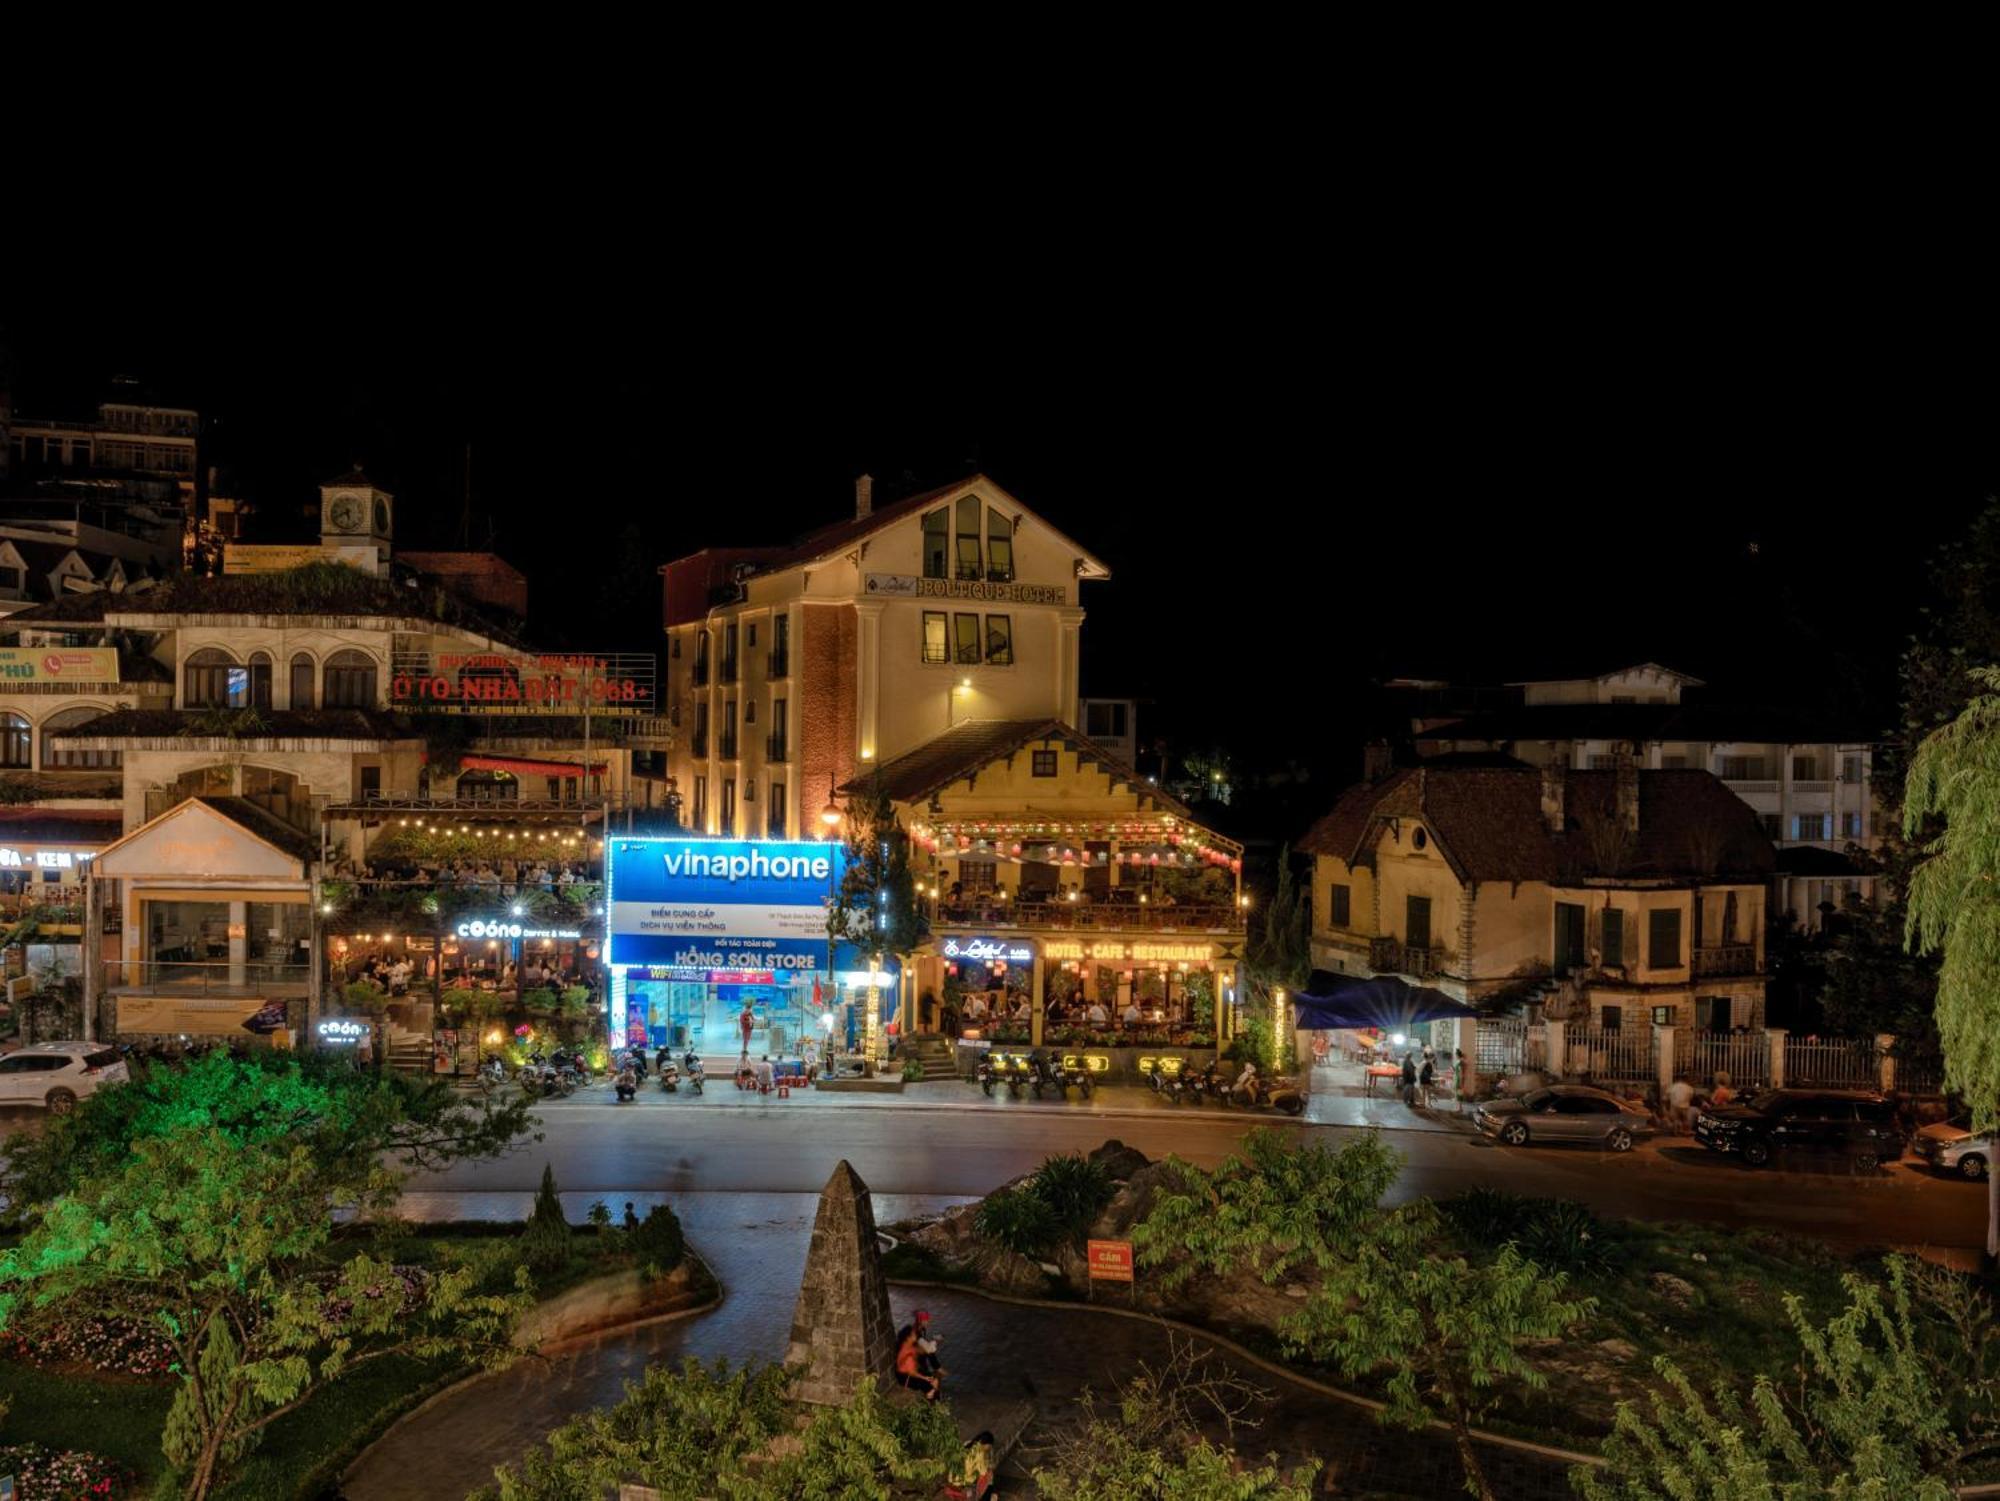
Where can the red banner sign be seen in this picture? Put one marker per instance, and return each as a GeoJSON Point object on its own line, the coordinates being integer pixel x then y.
{"type": "Point", "coordinates": [1110, 1260]}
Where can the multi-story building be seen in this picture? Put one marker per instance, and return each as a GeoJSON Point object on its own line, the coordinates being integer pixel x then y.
{"type": "Point", "coordinates": [260, 735]}
{"type": "Point", "coordinates": [1810, 786]}
{"type": "Point", "coordinates": [791, 669]}
{"type": "Point", "coordinates": [1643, 890]}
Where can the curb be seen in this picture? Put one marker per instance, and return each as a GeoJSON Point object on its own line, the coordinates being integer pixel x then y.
{"type": "Point", "coordinates": [1283, 1372]}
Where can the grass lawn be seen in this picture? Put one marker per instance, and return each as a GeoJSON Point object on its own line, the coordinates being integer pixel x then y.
{"type": "Point", "coordinates": [302, 1453]}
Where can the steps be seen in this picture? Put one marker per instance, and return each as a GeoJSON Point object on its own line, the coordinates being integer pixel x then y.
{"type": "Point", "coordinates": [935, 1053]}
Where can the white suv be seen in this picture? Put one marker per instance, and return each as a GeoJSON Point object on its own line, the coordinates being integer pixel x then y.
{"type": "Point", "coordinates": [58, 1074]}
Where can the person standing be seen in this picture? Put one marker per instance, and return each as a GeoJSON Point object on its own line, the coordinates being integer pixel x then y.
{"type": "Point", "coordinates": [1410, 1078]}
{"type": "Point", "coordinates": [1680, 1104]}
{"type": "Point", "coordinates": [746, 1024]}
{"type": "Point", "coordinates": [1426, 1076]}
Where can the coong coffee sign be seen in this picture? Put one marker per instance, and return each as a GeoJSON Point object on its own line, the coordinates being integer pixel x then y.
{"type": "Point", "coordinates": [989, 950]}
{"type": "Point", "coordinates": [521, 683]}
{"type": "Point", "coordinates": [484, 928]}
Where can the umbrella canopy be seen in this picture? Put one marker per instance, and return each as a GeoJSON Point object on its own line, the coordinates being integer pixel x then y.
{"type": "Point", "coordinates": [1384, 1001]}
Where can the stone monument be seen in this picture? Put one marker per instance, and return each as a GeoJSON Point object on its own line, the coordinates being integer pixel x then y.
{"type": "Point", "coordinates": [841, 1329]}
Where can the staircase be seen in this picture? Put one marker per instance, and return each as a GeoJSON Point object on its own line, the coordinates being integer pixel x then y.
{"type": "Point", "coordinates": [407, 1052]}
{"type": "Point", "coordinates": [935, 1053]}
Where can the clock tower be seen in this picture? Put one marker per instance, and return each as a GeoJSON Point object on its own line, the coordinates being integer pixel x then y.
{"type": "Point", "coordinates": [355, 512]}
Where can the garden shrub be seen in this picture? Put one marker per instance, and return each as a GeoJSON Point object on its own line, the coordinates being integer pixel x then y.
{"type": "Point", "coordinates": [1075, 1189]}
{"type": "Point", "coordinates": [545, 1241]}
{"type": "Point", "coordinates": [1020, 1221]}
{"type": "Point", "coordinates": [913, 1071]}
{"type": "Point", "coordinates": [659, 1242]}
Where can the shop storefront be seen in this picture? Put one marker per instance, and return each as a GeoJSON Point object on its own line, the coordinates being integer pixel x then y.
{"type": "Point", "coordinates": [706, 936]}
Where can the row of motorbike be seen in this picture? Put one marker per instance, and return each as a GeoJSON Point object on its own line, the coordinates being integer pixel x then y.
{"type": "Point", "coordinates": [1043, 1073]}
{"type": "Point", "coordinates": [1249, 1088]}
{"type": "Point", "coordinates": [561, 1073]}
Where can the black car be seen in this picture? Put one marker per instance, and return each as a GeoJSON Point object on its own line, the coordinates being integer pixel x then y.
{"type": "Point", "coordinates": [1845, 1122]}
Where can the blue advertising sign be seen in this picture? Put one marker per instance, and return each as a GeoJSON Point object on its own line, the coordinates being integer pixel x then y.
{"type": "Point", "coordinates": [720, 904]}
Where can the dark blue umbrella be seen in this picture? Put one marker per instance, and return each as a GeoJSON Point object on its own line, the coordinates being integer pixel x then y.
{"type": "Point", "coordinates": [1386, 1001]}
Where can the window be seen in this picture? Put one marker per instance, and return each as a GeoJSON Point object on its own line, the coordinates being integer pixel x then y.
{"type": "Point", "coordinates": [728, 747]}
{"type": "Point", "coordinates": [937, 543]}
{"type": "Point", "coordinates": [1805, 768]}
{"type": "Point", "coordinates": [1602, 762]}
{"type": "Point", "coordinates": [749, 635]}
{"type": "Point", "coordinates": [999, 549]}
{"type": "Point", "coordinates": [1042, 763]}
{"type": "Point", "coordinates": [968, 537]}
{"type": "Point", "coordinates": [1613, 946]}
{"type": "Point", "coordinates": [750, 711]}
{"type": "Point", "coordinates": [775, 811]}
{"type": "Point", "coordinates": [936, 643]}
{"type": "Point", "coordinates": [302, 681]}
{"type": "Point", "coordinates": [999, 641]}
{"type": "Point", "coordinates": [700, 744]}
{"type": "Point", "coordinates": [1624, 698]}
{"type": "Point", "coordinates": [965, 640]}
{"type": "Point", "coordinates": [700, 802]}
{"type": "Point", "coordinates": [1673, 763]}
{"type": "Point", "coordinates": [15, 742]}
{"type": "Point", "coordinates": [1774, 825]}
{"type": "Point", "coordinates": [674, 648]}
{"type": "Point", "coordinates": [1104, 719]}
{"type": "Point", "coordinates": [210, 679]}
{"type": "Point", "coordinates": [1663, 938]}
{"type": "Point", "coordinates": [729, 806]}
{"type": "Point", "coordinates": [1417, 922]}
{"type": "Point", "coordinates": [349, 680]}
{"type": "Point", "coordinates": [780, 729]}
{"type": "Point", "coordinates": [371, 781]}
{"type": "Point", "coordinates": [1571, 951]}
{"type": "Point", "coordinates": [699, 673]}
{"type": "Point", "coordinates": [1850, 825]}
{"type": "Point", "coordinates": [729, 653]}
{"type": "Point", "coordinates": [780, 665]}
{"type": "Point", "coordinates": [1614, 1019]}
{"type": "Point", "coordinates": [1743, 769]}
{"type": "Point", "coordinates": [750, 792]}
{"type": "Point", "coordinates": [1340, 912]}
{"type": "Point", "coordinates": [59, 753]}
{"type": "Point", "coordinates": [1850, 768]}
{"type": "Point", "coordinates": [1811, 825]}
{"type": "Point", "coordinates": [260, 680]}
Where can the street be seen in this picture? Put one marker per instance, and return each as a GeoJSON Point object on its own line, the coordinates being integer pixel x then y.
{"type": "Point", "coordinates": [725, 1142]}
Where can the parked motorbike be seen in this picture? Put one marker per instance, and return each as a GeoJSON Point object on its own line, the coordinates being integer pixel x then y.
{"type": "Point", "coordinates": [1046, 1075]}
{"type": "Point", "coordinates": [1075, 1072]}
{"type": "Point", "coordinates": [691, 1066]}
{"type": "Point", "coordinates": [670, 1077]}
{"type": "Point", "coordinates": [1255, 1092]}
{"type": "Point", "coordinates": [987, 1075]}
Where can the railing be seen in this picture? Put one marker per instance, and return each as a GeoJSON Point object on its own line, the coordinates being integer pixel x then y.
{"type": "Point", "coordinates": [215, 977]}
{"type": "Point", "coordinates": [1624, 1053]}
{"type": "Point", "coordinates": [1726, 959]}
{"type": "Point", "coordinates": [1508, 1045]}
{"type": "Point", "coordinates": [726, 747]}
{"type": "Point", "coordinates": [777, 664]}
{"type": "Point", "coordinates": [1391, 956]}
{"type": "Point", "coordinates": [698, 747]}
{"type": "Point", "coordinates": [1845, 1062]}
{"type": "Point", "coordinates": [699, 673]}
{"type": "Point", "coordinates": [391, 802]}
{"type": "Point", "coordinates": [729, 670]}
{"type": "Point", "coordinates": [1750, 788]}
{"type": "Point", "coordinates": [1149, 916]}
{"type": "Point", "coordinates": [1744, 1056]}
{"type": "Point", "coordinates": [1812, 789]}
{"type": "Point", "coordinates": [774, 746]}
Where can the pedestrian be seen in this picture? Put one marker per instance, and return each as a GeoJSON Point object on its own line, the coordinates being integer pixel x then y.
{"type": "Point", "coordinates": [631, 1216]}
{"type": "Point", "coordinates": [1722, 1094]}
{"type": "Point", "coordinates": [1425, 1076]}
{"type": "Point", "coordinates": [1458, 1076]}
{"type": "Point", "coordinates": [1410, 1078]}
{"type": "Point", "coordinates": [1680, 1104]}
{"type": "Point", "coordinates": [746, 1024]}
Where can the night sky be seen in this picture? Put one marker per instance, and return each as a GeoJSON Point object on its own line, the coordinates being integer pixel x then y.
{"type": "Point", "coordinates": [1295, 495]}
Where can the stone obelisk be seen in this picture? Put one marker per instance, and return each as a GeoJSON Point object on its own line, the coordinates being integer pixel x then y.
{"type": "Point", "coordinates": [841, 1329]}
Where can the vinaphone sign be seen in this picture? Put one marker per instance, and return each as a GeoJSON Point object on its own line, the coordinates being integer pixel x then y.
{"type": "Point", "coordinates": [720, 904]}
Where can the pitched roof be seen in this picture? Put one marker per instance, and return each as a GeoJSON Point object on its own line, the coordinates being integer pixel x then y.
{"type": "Point", "coordinates": [268, 827]}
{"type": "Point", "coordinates": [1487, 823]}
{"type": "Point", "coordinates": [967, 748]}
{"type": "Point", "coordinates": [1721, 724]}
{"type": "Point", "coordinates": [32, 825]}
{"type": "Point", "coordinates": [1597, 672]}
{"type": "Point", "coordinates": [831, 540]}
{"type": "Point", "coordinates": [271, 724]}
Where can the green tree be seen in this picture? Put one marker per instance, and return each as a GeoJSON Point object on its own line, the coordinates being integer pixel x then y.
{"type": "Point", "coordinates": [348, 1117]}
{"type": "Point", "coordinates": [1864, 1418]}
{"type": "Point", "coordinates": [545, 1240]}
{"type": "Point", "coordinates": [220, 1246]}
{"type": "Point", "coordinates": [1951, 803]}
{"type": "Point", "coordinates": [875, 907]}
{"type": "Point", "coordinates": [1280, 949]}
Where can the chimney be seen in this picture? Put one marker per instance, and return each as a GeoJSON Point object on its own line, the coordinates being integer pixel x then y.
{"type": "Point", "coordinates": [864, 497]}
{"type": "Point", "coordinates": [1553, 777]}
{"type": "Point", "coordinates": [1626, 770]}
{"type": "Point", "coordinates": [1377, 760]}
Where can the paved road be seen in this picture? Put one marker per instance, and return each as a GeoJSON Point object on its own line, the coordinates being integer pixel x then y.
{"type": "Point", "coordinates": [738, 1144]}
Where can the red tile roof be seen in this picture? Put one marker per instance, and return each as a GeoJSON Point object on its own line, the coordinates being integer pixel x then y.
{"type": "Point", "coordinates": [967, 748]}
{"type": "Point", "coordinates": [1487, 823]}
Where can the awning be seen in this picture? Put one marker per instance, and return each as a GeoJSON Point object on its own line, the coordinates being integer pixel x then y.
{"type": "Point", "coordinates": [521, 768]}
{"type": "Point", "coordinates": [1332, 1000]}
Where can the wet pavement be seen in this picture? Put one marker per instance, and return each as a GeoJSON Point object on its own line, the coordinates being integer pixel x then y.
{"type": "Point", "coordinates": [995, 1353]}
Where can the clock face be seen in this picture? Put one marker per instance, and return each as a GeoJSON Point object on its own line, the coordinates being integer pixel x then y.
{"type": "Point", "coordinates": [382, 517]}
{"type": "Point", "coordinates": [345, 514]}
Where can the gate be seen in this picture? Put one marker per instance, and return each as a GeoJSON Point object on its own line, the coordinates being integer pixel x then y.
{"type": "Point", "coordinates": [1836, 1062]}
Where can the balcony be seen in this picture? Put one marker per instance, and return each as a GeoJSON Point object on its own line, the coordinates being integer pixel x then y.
{"type": "Point", "coordinates": [1726, 959]}
{"type": "Point", "coordinates": [774, 746]}
{"type": "Point", "coordinates": [699, 674]}
{"type": "Point", "coordinates": [777, 664]}
{"type": "Point", "coordinates": [726, 748]}
{"type": "Point", "coordinates": [698, 746]}
{"type": "Point", "coordinates": [982, 914]}
{"type": "Point", "coordinates": [1751, 789]}
{"type": "Point", "coordinates": [1391, 956]}
{"type": "Point", "coordinates": [729, 670]}
{"type": "Point", "coordinates": [1812, 789]}
{"type": "Point", "coordinates": [218, 977]}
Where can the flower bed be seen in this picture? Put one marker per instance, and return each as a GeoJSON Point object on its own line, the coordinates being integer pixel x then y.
{"type": "Point", "coordinates": [43, 1474]}
{"type": "Point", "coordinates": [115, 1346]}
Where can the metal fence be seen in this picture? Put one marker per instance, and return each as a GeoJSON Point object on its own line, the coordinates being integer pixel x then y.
{"type": "Point", "coordinates": [1843, 1062]}
{"type": "Point", "coordinates": [1920, 1075]}
{"type": "Point", "coordinates": [1623, 1053]}
{"type": "Point", "coordinates": [1502, 1047]}
{"type": "Point", "coordinates": [1744, 1056]}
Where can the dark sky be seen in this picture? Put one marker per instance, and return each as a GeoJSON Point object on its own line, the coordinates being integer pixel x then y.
{"type": "Point", "coordinates": [1304, 470]}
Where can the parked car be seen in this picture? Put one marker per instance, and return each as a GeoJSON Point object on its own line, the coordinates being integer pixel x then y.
{"type": "Point", "coordinates": [1564, 1112]}
{"type": "Point", "coordinates": [1851, 1123]}
{"type": "Point", "coordinates": [1950, 1147]}
{"type": "Point", "coordinates": [58, 1074]}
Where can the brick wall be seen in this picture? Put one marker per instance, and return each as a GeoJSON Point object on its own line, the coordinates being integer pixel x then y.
{"type": "Point", "coordinates": [826, 707]}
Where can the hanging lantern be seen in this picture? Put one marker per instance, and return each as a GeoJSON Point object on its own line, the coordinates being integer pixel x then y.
{"type": "Point", "coordinates": [1017, 849]}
